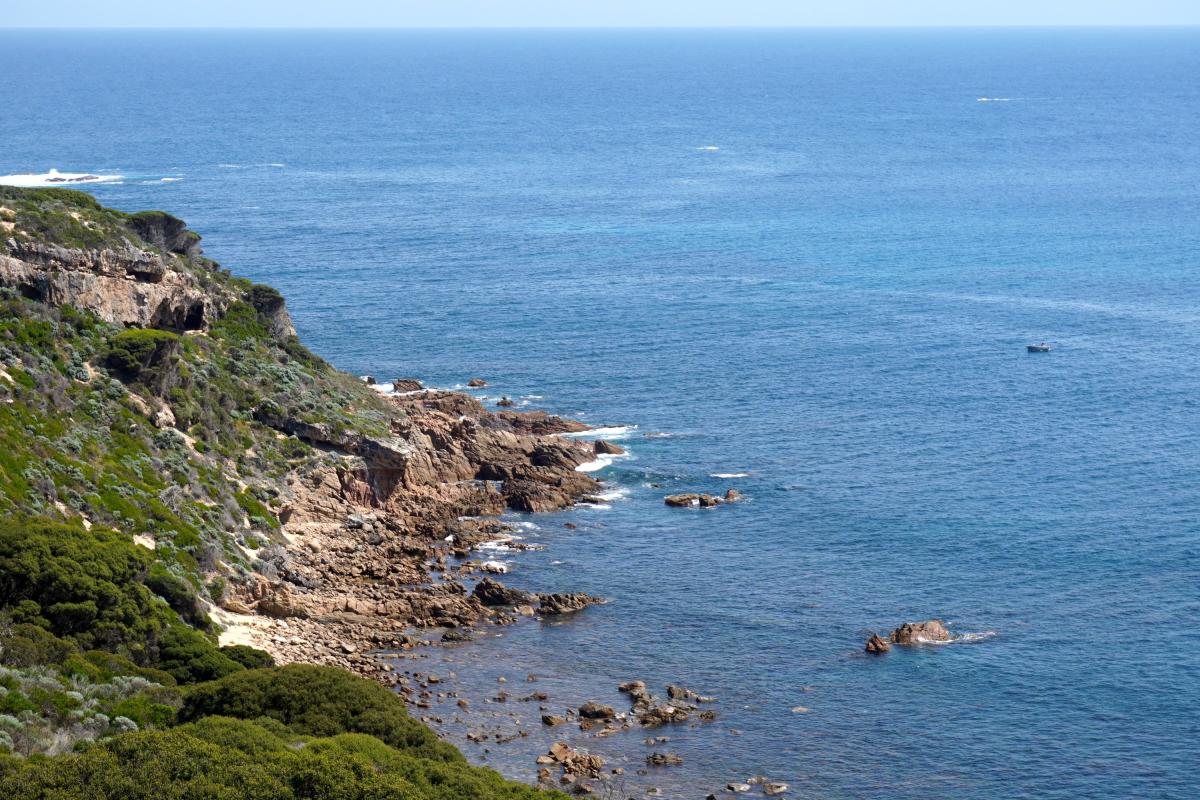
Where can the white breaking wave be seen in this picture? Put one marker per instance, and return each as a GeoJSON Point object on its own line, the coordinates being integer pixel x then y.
{"type": "Point", "coordinates": [992, 99]}
{"type": "Point", "coordinates": [614, 494]}
{"type": "Point", "coordinates": [56, 178]}
{"type": "Point", "coordinates": [613, 432]}
{"type": "Point", "coordinates": [709, 148]}
{"type": "Point", "coordinates": [594, 466]}
{"type": "Point", "coordinates": [729, 474]}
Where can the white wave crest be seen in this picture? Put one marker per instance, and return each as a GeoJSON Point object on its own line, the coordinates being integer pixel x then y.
{"type": "Point", "coordinates": [709, 148]}
{"type": "Point", "coordinates": [597, 465]}
{"type": "Point", "coordinates": [611, 432]}
{"type": "Point", "coordinates": [729, 474]}
{"type": "Point", "coordinates": [56, 178]}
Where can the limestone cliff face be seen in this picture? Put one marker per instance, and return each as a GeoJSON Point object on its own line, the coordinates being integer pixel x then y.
{"type": "Point", "coordinates": [142, 270]}
{"type": "Point", "coordinates": [125, 285]}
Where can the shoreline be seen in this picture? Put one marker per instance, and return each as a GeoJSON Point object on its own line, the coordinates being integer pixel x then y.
{"type": "Point", "coordinates": [426, 660]}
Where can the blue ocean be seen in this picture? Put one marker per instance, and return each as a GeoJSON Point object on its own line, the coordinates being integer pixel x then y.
{"type": "Point", "coordinates": [804, 264]}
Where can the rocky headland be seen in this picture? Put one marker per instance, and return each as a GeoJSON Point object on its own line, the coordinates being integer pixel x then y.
{"type": "Point", "coordinates": [325, 520]}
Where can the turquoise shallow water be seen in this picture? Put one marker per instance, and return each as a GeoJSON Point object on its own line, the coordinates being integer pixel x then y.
{"type": "Point", "coordinates": [815, 257]}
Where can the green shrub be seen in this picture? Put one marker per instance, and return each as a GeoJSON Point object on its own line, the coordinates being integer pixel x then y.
{"type": "Point", "coordinates": [227, 759]}
{"type": "Point", "coordinates": [249, 657]}
{"type": "Point", "coordinates": [317, 701]}
{"type": "Point", "coordinates": [86, 587]}
{"type": "Point", "coordinates": [136, 350]}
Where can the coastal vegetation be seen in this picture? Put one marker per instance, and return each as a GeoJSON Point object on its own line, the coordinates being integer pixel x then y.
{"type": "Point", "coordinates": [139, 480]}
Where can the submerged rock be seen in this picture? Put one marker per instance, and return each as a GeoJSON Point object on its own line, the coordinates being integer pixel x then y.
{"type": "Point", "coordinates": [664, 759]}
{"type": "Point", "coordinates": [931, 630]}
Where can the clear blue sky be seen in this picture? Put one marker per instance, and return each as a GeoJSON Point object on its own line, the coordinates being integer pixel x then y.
{"type": "Point", "coordinates": [589, 13]}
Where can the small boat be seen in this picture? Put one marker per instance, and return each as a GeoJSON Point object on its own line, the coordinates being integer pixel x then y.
{"type": "Point", "coordinates": [1038, 348]}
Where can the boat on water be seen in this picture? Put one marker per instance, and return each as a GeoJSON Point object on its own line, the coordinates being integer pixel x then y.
{"type": "Point", "coordinates": [1038, 348]}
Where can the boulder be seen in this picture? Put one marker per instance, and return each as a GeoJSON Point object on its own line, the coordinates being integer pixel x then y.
{"type": "Point", "coordinates": [551, 720]}
{"type": "Point", "coordinates": [692, 499]}
{"type": "Point", "coordinates": [602, 447]}
{"type": "Point", "coordinates": [931, 630]}
{"type": "Point", "coordinates": [407, 385]}
{"type": "Point", "coordinates": [477, 383]}
{"type": "Point", "coordinates": [732, 496]}
{"type": "Point", "coordinates": [494, 593]}
{"type": "Point", "coordinates": [595, 710]}
{"type": "Point", "coordinates": [505, 402]}
{"type": "Point", "coordinates": [877, 644]}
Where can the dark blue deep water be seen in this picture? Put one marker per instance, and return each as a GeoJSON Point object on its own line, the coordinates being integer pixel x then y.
{"type": "Point", "coordinates": [813, 257]}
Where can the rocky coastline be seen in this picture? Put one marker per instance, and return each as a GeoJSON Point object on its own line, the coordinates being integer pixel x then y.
{"type": "Point", "coordinates": [379, 545]}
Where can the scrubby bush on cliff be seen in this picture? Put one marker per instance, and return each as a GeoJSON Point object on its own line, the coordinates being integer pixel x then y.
{"type": "Point", "coordinates": [225, 759]}
{"type": "Point", "coordinates": [318, 701]}
{"type": "Point", "coordinates": [68, 584]}
{"type": "Point", "coordinates": [145, 355]}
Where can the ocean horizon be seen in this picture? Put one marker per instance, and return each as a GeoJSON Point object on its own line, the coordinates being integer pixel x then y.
{"type": "Point", "coordinates": [803, 264]}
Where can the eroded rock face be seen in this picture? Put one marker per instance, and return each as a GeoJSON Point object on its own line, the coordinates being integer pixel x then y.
{"type": "Point", "coordinates": [124, 285]}
{"type": "Point", "coordinates": [931, 630]}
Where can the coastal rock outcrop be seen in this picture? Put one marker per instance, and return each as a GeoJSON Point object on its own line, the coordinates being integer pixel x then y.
{"type": "Point", "coordinates": [877, 644]}
{"type": "Point", "coordinates": [692, 499]}
{"type": "Point", "coordinates": [407, 385]}
{"type": "Point", "coordinates": [932, 630]}
{"type": "Point", "coordinates": [565, 603]}
{"type": "Point", "coordinates": [494, 593]}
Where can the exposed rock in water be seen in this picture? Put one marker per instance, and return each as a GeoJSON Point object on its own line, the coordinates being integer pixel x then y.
{"type": "Point", "coordinates": [931, 630]}
{"type": "Point", "coordinates": [877, 644]}
{"type": "Point", "coordinates": [407, 385]}
{"type": "Point", "coordinates": [595, 710]}
{"type": "Point", "coordinates": [458, 635]}
{"type": "Point", "coordinates": [772, 789]}
{"type": "Point", "coordinates": [494, 593]}
{"type": "Point", "coordinates": [550, 720]}
{"type": "Point", "coordinates": [692, 499]}
{"type": "Point", "coordinates": [664, 759]}
{"type": "Point", "coordinates": [477, 383]}
{"type": "Point", "coordinates": [607, 448]}
{"type": "Point", "coordinates": [505, 402]}
{"type": "Point", "coordinates": [563, 603]}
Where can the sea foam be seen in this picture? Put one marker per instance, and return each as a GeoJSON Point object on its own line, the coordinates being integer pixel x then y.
{"type": "Point", "coordinates": [56, 178]}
